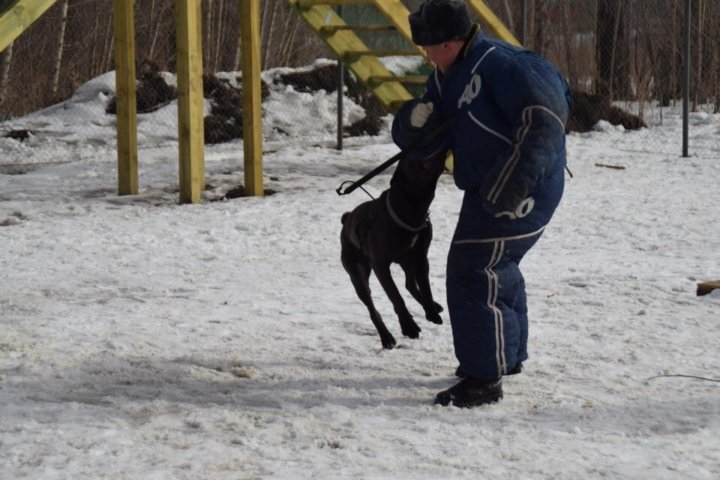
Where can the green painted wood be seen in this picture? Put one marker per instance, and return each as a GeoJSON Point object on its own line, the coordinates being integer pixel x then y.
{"type": "Point", "coordinates": [345, 41]}
{"type": "Point", "coordinates": [19, 17]}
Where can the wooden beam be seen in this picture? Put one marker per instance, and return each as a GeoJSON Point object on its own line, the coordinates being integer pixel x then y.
{"type": "Point", "coordinates": [416, 79]}
{"type": "Point", "coordinates": [252, 102]}
{"type": "Point", "coordinates": [190, 100]}
{"type": "Point", "coordinates": [358, 28]}
{"type": "Point", "coordinates": [344, 41]}
{"type": "Point", "coordinates": [492, 22]}
{"type": "Point", "coordinates": [314, 3]}
{"type": "Point", "coordinates": [707, 287]}
{"type": "Point", "coordinates": [398, 14]}
{"type": "Point", "coordinates": [19, 17]}
{"type": "Point", "coordinates": [126, 118]}
{"type": "Point", "coordinates": [381, 53]}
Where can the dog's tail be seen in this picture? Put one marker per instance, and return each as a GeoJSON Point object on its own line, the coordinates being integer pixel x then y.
{"type": "Point", "coordinates": [344, 216]}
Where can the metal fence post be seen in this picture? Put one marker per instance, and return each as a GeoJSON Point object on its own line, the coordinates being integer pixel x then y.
{"type": "Point", "coordinates": [523, 22]}
{"type": "Point", "coordinates": [686, 77]}
{"type": "Point", "coordinates": [340, 84]}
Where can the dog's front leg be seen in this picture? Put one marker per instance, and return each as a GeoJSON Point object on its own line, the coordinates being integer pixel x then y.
{"type": "Point", "coordinates": [417, 282]}
{"type": "Point", "coordinates": [407, 324]}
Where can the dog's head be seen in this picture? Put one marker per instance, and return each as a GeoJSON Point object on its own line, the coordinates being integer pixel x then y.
{"type": "Point", "coordinates": [419, 175]}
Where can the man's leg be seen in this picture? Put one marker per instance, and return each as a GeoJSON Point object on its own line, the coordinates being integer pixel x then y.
{"type": "Point", "coordinates": [480, 320]}
{"type": "Point", "coordinates": [513, 292]}
{"type": "Point", "coordinates": [488, 313]}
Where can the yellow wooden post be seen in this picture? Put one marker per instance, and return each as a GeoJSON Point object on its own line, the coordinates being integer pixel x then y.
{"type": "Point", "coordinates": [190, 100]}
{"type": "Point", "coordinates": [252, 113]}
{"type": "Point", "coordinates": [126, 117]}
{"type": "Point", "coordinates": [19, 17]}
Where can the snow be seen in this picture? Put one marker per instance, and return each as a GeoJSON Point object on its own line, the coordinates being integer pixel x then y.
{"type": "Point", "coordinates": [140, 338]}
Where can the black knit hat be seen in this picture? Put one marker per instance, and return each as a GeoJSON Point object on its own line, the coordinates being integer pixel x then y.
{"type": "Point", "coordinates": [438, 21]}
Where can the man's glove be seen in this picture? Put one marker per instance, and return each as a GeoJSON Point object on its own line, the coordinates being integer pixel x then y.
{"type": "Point", "coordinates": [420, 114]}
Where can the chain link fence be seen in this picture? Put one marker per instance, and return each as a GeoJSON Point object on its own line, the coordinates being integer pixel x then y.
{"type": "Point", "coordinates": [622, 58]}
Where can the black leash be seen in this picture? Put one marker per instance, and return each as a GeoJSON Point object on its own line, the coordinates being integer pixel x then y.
{"type": "Point", "coordinates": [372, 173]}
{"type": "Point", "coordinates": [354, 187]}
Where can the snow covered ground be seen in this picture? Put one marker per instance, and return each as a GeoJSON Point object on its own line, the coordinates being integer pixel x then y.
{"type": "Point", "coordinates": [142, 339]}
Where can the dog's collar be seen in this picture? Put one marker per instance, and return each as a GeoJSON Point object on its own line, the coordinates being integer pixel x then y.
{"type": "Point", "coordinates": [399, 222]}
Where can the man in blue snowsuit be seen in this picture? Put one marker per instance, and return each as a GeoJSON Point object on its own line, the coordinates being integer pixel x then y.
{"type": "Point", "coordinates": [508, 107]}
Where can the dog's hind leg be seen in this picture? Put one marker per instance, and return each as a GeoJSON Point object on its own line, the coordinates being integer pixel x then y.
{"type": "Point", "coordinates": [359, 272]}
{"type": "Point", "coordinates": [407, 324]}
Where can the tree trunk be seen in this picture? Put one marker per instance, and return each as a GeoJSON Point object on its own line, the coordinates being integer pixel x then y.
{"type": "Point", "coordinates": [611, 50]}
{"type": "Point", "coordinates": [540, 21]}
{"type": "Point", "coordinates": [220, 32]}
{"type": "Point", "coordinates": [567, 33]}
{"type": "Point", "coordinates": [209, 33]}
{"type": "Point", "coordinates": [269, 60]}
{"type": "Point", "coordinates": [699, 92]}
{"type": "Point", "coordinates": [238, 53]}
{"type": "Point", "coordinates": [154, 37]}
{"type": "Point", "coordinates": [509, 15]}
{"type": "Point", "coordinates": [60, 47]}
{"type": "Point", "coordinates": [286, 54]}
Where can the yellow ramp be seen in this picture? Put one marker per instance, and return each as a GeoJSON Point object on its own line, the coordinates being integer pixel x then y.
{"type": "Point", "coordinates": [19, 17]}
{"type": "Point", "coordinates": [342, 39]}
{"type": "Point", "coordinates": [491, 22]}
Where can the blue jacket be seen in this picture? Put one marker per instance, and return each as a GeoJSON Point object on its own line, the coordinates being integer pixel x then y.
{"type": "Point", "coordinates": [508, 107]}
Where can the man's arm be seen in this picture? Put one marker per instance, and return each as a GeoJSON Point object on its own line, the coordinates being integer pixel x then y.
{"type": "Point", "coordinates": [416, 120]}
{"type": "Point", "coordinates": [535, 99]}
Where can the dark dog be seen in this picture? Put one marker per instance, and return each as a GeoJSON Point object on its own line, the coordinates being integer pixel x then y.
{"type": "Point", "coordinates": [394, 228]}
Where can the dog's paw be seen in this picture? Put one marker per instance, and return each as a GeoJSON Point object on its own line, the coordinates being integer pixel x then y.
{"type": "Point", "coordinates": [411, 329]}
{"type": "Point", "coordinates": [434, 317]}
{"type": "Point", "coordinates": [388, 343]}
{"type": "Point", "coordinates": [438, 308]}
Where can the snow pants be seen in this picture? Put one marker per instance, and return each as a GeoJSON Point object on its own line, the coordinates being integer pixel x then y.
{"type": "Point", "coordinates": [487, 303]}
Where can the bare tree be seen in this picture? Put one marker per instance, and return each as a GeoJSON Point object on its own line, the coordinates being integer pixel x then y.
{"type": "Point", "coordinates": [619, 48]}
{"type": "Point", "coordinates": [539, 20]}
{"type": "Point", "coordinates": [611, 50]}
{"type": "Point", "coordinates": [60, 47]}
{"type": "Point", "coordinates": [509, 16]}
{"type": "Point", "coordinates": [568, 40]}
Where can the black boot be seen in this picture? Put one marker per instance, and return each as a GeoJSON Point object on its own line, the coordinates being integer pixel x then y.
{"type": "Point", "coordinates": [460, 373]}
{"type": "Point", "coordinates": [471, 392]}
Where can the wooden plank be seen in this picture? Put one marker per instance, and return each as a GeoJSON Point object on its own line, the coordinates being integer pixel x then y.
{"type": "Point", "coordinates": [342, 42]}
{"type": "Point", "coordinates": [252, 103]}
{"type": "Point", "coordinates": [381, 53]}
{"type": "Point", "coordinates": [190, 100]}
{"type": "Point", "coordinates": [492, 22]}
{"type": "Point", "coordinates": [707, 287]}
{"type": "Point", "coordinates": [19, 17]}
{"type": "Point", "coordinates": [358, 28]}
{"type": "Point", "coordinates": [314, 3]}
{"type": "Point", "coordinates": [397, 13]}
{"type": "Point", "coordinates": [416, 79]}
{"type": "Point", "coordinates": [126, 118]}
